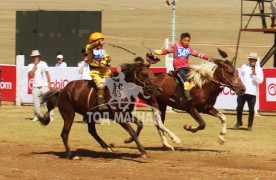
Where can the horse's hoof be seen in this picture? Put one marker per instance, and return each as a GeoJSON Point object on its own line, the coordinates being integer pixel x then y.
{"type": "Point", "coordinates": [187, 127]}
{"type": "Point", "coordinates": [168, 147]}
{"type": "Point", "coordinates": [127, 141]}
{"type": "Point", "coordinates": [177, 140]}
{"type": "Point", "coordinates": [144, 155]}
{"type": "Point", "coordinates": [108, 150]}
{"type": "Point", "coordinates": [76, 158]}
{"type": "Point", "coordinates": [190, 128]}
{"type": "Point", "coordinates": [221, 139]}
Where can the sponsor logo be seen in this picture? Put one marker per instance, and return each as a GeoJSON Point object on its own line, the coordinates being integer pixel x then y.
{"type": "Point", "coordinates": [54, 84]}
{"type": "Point", "coordinates": [122, 95]}
{"type": "Point", "coordinates": [6, 85]}
{"type": "Point", "coordinates": [59, 83]}
{"type": "Point", "coordinates": [270, 89]}
{"type": "Point", "coordinates": [226, 91]}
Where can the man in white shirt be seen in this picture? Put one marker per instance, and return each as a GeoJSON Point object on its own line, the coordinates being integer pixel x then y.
{"type": "Point", "coordinates": [60, 62]}
{"type": "Point", "coordinates": [41, 81]}
{"type": "Point", "coordinates": [83, 67]}
{"type": "Point", "coordinates": [84, 72]}
{"type": "Point", "coordinates": [251, 75]}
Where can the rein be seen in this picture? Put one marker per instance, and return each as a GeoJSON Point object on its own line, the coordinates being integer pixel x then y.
{"type": "Point", "coordinates": [230, 85]}
{"type": "Point", "coordinates": [145, 87]}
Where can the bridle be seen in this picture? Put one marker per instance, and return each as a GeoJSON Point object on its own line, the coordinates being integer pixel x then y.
{"type": "Point", "coordinates": [222, 85]}
{"type": "Point", "coordinates": [145, 87]}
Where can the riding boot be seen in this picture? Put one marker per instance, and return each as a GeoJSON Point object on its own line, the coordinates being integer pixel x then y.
{"type": "Point", "coordinates": [188, 96]}
{"type": "Point", "coordinates": [100, 99]}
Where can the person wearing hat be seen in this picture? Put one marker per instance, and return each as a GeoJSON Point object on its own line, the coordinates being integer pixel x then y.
{"type": "Point", "coordinates": [60, 62]}
{"type": "Point", "coordinates": [39, 71]}
{"type": "Point", "coordinates": [99, 64]}
{"type": "Point", "coordinates": [251, 75]}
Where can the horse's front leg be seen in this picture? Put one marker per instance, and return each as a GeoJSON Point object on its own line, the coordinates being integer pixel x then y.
{"type": "Point", "coordinates": [194, 113]}
{"type": "Point", "coordinates": [160, 126]}
{"type": "Point", "coordinates": [132, 133]}
{"type": "Point", "coordinates": [92, 130]}
{"type": "Point", "coordinates": [216, 113]}
{"type": "Point", "coordinates": [139, 124]}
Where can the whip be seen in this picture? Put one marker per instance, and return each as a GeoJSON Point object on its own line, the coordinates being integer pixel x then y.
{"type": "Point", "coordinates": [113, 45]}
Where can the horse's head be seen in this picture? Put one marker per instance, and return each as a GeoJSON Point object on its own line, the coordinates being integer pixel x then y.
{"type": "Point", "coordinates": [140, 74]}
{"type": "Point", "coordinates": [228, 76]}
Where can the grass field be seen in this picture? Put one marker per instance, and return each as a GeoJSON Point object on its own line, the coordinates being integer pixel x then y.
{"type": "Point", "coordinates": [213, 24]}
{"type": "Point", "coordinates": [31, 151]}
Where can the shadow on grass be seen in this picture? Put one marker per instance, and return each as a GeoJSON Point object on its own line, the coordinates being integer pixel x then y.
{"type": "Point", "coordinates": [94, 154]}
{"type": "Point", "coordinates": [240, 129]}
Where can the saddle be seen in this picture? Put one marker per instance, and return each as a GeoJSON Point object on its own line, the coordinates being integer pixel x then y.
{"type": "Point", "coordinates": [91, 84]}
{"type": "Point", "coordinates": [179, 86]}
{"type": "Point", "coordinates": [175, 76]}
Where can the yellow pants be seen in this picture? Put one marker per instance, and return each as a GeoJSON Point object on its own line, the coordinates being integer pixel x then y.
{"type": "Point", "coordinates": [99, 74]}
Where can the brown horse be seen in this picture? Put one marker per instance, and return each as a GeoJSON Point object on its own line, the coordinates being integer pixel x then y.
{"type": "Point", "coordinates": [80, 97]}
{"type": "Point", "coordinates": [207, 81]}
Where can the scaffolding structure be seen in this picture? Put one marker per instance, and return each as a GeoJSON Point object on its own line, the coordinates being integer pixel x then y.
{"type": "Point", "coordinates": [260, 5]}
{"type": "Point", "coordinates": [0, 87]}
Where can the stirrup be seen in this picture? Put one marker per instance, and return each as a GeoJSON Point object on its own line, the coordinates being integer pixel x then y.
{"type": "Point", "coordinates": [189, 99]}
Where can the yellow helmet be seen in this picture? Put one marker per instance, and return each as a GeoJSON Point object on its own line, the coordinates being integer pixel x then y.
{"type": "Point", "coordinates": [95, 36]}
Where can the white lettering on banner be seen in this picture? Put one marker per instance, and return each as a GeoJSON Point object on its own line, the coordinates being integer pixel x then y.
{"type": "Point", "coordinates": [6, 85]}
{"type": "Point", "coordinates": [54, 84]}
{"type": "Point", "coordinates": [59, 84]}
{"type": "Point", "coordinates": [271, 89]}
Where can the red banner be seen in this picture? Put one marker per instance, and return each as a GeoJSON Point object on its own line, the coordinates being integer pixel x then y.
{"type": "Point", "coordinates": [267, 90]}
{"type": "Point", "coordinates": [8, 83]}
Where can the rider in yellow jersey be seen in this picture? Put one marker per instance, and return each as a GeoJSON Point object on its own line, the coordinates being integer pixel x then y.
{"type": "Point", "coordinates": [99, 67]}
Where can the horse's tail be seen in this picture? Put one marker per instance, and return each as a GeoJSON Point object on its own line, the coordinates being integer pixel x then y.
{"type": "Point", "coordinates": [222, 53]}
{"type": "Point", "coordinates": [51, 99]}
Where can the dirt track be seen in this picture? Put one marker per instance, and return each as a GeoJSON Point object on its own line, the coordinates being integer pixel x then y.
{"type": "Point", "coordinates": [213, 24]}
{"type": "Point", "coordinates": [186, 163]}
{"type": "Point", "coordinates": [31, 151]}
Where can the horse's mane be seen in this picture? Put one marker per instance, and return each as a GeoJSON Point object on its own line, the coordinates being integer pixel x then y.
{"type": "Point", "coordinates": [202, 73]}
{"type": "Point", "coordinates": [128, 68]}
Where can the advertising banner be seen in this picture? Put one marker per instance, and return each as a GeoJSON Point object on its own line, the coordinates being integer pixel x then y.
{"type": "Point", "coordinates": [8, 83]}
{"type": "Point", "coordinates": [61, 76]}
{"type": "Point", "coordinates": [59, 79]}
{"type": "Point", "coordinates": [267, 90]}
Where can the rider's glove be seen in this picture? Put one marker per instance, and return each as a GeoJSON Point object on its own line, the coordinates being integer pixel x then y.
{"type": "Point", "coordinates": [158, 52]}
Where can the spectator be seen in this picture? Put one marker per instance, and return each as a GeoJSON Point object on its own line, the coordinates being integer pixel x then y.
{"type": "Point", "coordinates": [60, 62]}
{"type": "Point", "coordinates": [84, 71]}
{"type": "Point", "coordinates": [83, 67]}
{"type": "Point", "coordinates": [251, 75]}
{"type": "Point", "coordinates": [41, 81]}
